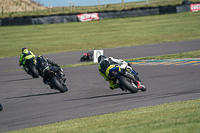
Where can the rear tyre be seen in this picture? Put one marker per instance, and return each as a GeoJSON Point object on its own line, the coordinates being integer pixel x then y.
{"type": "Point", "coordinates": [34, 72]}
{"type": "Point", "coordinates": [82, 59]}
{"type": "Point", "coordinates": [65, 87]}
{"type": "Point", "coordinates": [127, 85]}
{"type": "Point", "coordinates": [58, 85]}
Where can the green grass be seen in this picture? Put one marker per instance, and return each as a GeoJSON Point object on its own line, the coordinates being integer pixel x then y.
{"type": "Point", "coordinates": [55, 38]}
{"type": "Point", "coordinates": [176, 117]}
{"type": "Point", "coordinates": [192, 54]}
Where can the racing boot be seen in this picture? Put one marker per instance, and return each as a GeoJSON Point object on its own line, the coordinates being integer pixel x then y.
{"type": "Point", "coordinates": [123, 88]}
{"type": "Point", "coordinates": [113, 84]}
{"type": "Point", "coordinates": [52, 87]}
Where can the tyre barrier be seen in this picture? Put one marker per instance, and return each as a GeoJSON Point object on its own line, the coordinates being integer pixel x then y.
{"type": "Point", "coordinates": [65, 18]}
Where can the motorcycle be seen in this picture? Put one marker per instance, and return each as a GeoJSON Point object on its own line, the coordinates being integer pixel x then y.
{"type": "Point", "coordinates": [1, 107]}
{"type": "Point", "coordinates": [30, 68]}
{"type": "Point", "coordinates": [128, 79]}
{"type": "Point", "coordinates": [55, 80]}
{"type": "Point", "coordinates": [87, 56]}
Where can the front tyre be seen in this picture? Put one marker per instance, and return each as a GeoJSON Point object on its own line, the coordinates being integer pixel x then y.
{"type": "Point", "coordinates": [123, 81]}
{"type": "Point", "coordinates": [58, 85]}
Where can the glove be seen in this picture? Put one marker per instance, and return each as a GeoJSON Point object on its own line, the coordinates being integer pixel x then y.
{"type": "Point", "coordinates": [129, 64]}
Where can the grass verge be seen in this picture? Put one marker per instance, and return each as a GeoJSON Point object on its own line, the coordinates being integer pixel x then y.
{"type": "Point", "coordinates": [56, 38]}
{"type": "Point", "coordinates": [173, 117]}
{"type": "Point", "coordinates": [192, 54]}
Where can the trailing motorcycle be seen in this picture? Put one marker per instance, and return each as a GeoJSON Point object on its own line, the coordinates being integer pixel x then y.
{"type": "Point", "coordinates": [128, 79]}
{"type": "Point", "coordinates": [30, 68]}
{"type": "Point", "coordinates": [54, 79]}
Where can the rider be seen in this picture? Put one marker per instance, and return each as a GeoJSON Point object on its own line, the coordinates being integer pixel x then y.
{"type": "Point", "coordinates": [26, 54]}
{"type": "Point", "coordinates": [46, 64]}
{"type": "Point", "coordinates": [106, 64]}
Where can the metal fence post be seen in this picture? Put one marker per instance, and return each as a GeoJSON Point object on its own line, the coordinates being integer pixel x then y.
{"type": "Point", "coordinates": [2, 11]}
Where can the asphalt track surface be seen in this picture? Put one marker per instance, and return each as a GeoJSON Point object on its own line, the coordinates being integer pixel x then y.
{"type": "Point", "coordinates": [28, 102]}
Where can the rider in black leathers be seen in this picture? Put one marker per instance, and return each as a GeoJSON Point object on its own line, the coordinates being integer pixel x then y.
{"type": "Point", "coordinates": [44, 63]}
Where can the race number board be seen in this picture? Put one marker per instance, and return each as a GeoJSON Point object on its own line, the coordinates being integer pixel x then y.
{"type": "Point", "coordinates": [97, 53]}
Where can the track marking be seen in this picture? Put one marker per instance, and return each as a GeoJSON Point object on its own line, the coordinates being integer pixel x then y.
{"type": "Point", "coordinates": [167, 62]}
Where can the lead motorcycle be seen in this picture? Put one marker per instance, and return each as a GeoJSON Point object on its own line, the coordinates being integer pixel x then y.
{"type": "Point", "coordinates": [30, 68]}
{"type": "Point", "coordinates": [128, 79]}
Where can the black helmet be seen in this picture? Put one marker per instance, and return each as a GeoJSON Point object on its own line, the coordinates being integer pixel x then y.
{"type": "Point", "coordinates": [40, 56]}
{"type": "Point", "coordinates": [101, 57]}
{"type": "Point", "coordinates": [23, 49]}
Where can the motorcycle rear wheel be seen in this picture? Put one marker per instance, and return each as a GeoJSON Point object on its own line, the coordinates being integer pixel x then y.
{"type": "Point", "coordinates": [34, 72]}
{"type": "Point", "coordinates": [58, 85]}
{"type": "Point", "coordinates": [123, 81]}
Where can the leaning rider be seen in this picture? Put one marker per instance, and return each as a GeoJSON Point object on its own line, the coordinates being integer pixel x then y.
{"type": "Point", "coordinates": [106, 64]}
{"type": "Point", "coordinates": [26, 54]}
{"type": "Point", "coordinates": [46, 64]}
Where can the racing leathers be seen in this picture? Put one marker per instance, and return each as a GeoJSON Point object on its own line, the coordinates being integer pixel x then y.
{"type": "Point", "coordinates": [26, 54]}
{"type": "Point", "coordinates": [107, 64]}
{"type": "Point", "coordinates": [44, 65]}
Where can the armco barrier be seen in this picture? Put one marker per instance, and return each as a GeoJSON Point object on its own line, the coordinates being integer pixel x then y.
{"type": "Point", "coordinates": [16, 21]}
{"type": "Point", "coordinates": [129, 13]}
{"type": "Point", "coordinates": [167, 9]}
{"type": "Point", "coordinates": [54, 19]}
{"type": "Point", "coordinates": [65, 18]}
{"type": "Point", "coordinates": [183, 8]}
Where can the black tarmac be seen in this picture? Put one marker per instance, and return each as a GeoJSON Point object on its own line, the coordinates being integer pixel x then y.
{"type": "Point", "coordinates": [28, 102]}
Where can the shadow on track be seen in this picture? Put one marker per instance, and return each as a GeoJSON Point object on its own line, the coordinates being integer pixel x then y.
{"type": "Point", "coordinates": [142, 97]}
{"type": "Point", "coordinates": [16, 80]}
{"type": "Point", "coordinates": [112, 95]}
{"type": "Point", "coordinates": [177, 94]}
{"type": "Point", "coordinates": [34, 95]}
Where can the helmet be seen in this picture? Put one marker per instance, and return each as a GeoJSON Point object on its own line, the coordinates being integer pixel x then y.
{"type": "Point", "coordinates": [40, 56]}
{"type": "Point", "coordinates": [23, 49]}
{"type": "Point", "coordinates": [101, 57]}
